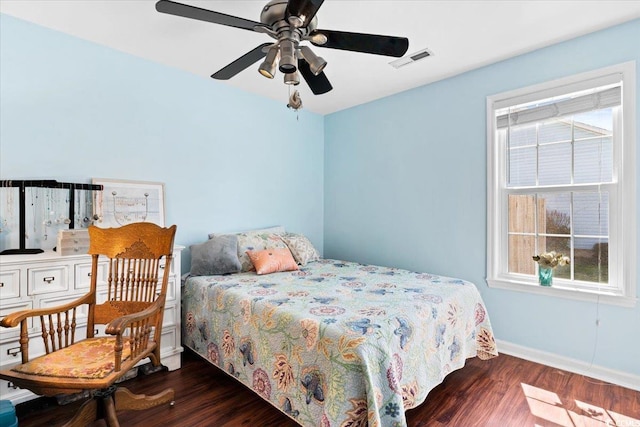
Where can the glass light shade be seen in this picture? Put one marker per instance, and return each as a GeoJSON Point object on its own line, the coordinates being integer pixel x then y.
{"type": "Point", "coordinates": [268, 66]}
{"type": "Point", "coordinates": [288, 62]}
{"type": "Point", "coordinates": [292, 78]}
{"type": "Point", "coordinates": [316, 63]}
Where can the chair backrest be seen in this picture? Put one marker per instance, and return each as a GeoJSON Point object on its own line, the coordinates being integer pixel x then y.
{"type": "Point", "coordinates": [134, 253]}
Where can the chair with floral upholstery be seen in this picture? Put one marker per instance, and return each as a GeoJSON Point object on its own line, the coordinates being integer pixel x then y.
{"type": "Point", "coordinates": [131, 308]}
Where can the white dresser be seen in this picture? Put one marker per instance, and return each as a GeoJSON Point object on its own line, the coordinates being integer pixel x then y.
{"type": "Point", "coordinates": [48, 279]}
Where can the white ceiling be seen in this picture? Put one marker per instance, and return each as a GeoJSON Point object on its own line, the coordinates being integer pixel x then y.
{"type": "Point", "coordinates": [462, 34]}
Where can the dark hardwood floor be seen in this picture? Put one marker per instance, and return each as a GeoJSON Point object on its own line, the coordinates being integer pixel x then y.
{"type": "Point", "coordinates": [505, 391]}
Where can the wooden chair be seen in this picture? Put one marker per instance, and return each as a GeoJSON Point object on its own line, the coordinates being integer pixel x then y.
{"type": "Point", "coordinates": [132, 313]}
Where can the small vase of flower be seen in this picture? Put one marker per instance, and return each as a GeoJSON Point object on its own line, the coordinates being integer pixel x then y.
{"type": "Point", "coordinates": [546, 263]}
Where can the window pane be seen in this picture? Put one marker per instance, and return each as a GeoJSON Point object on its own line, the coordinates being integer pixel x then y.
{"type": "Point", "coordinates": [555, 164]}
{"type": "Point", "coordinates": [593, 160]}
{"type": "Point", "coordinates": [592, 123]}
{"type": "Point", "coordinates": [522, 213]}
{"type": "Point", "coordinates": [522, 166]}
{"type": "Point", "coordinates": [522, 135]}
{"type": "Point", "coordinates": [561, 245]}
{"type": "Point", "coordinates": [521, 251]}
{"type": "Point", "coordinates": [555, 216]}
{"type": "Point", "coordinates": [591, 260]}
{"type": "Point", "coordinates": [555, 131]}
{"type": "Point", "coordinates": [591, 214]}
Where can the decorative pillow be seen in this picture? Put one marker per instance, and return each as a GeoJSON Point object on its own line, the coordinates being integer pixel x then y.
{"type": "Point", "coordinates": [252, 241]}
{"type": "Point", "coordinates": [301, 248]}
{"type": "Point", "coordinates": [272, 260]}
{"type": "Point", "coordinates": [275, 230]}
{"type": "Point", "coordinates": [215, 256]}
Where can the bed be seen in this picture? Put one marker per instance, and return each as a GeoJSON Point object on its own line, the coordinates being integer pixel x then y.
{"type": "Point", "coordinates": [337, 343]}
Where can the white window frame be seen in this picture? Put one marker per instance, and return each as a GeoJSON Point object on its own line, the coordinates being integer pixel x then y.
{"type": "Point", "coordinates": [622, 202]}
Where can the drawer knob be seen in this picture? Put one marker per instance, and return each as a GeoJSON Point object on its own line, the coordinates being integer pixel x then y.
{"type": "Point", "coordinates": [49, 279]}
{"type": "Point", "coordinates": [1, 284]}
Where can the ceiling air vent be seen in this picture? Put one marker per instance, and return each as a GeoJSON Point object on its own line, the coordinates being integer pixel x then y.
{"type": "Point", "coordinates": [410, 59]}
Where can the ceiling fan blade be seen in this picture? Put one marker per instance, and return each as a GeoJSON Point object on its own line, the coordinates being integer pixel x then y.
{"type": "Point", "coordinates": [304, 9]}
{"type": "Point", "coordinates": [186, 11]}
{"type": "Point", "coordinates": [241, 63]}
{"type": "Point", "coordinates": [319, 84]}
{"type": "Point", "coordinates": [359, 42]}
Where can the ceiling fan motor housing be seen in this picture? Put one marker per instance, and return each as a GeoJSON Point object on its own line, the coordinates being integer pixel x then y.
{"type": "Point", "coordinates": [288, 35]}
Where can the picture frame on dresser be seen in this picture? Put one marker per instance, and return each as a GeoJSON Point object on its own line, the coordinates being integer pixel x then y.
{"type": "Point", "coordinates": [123, 202]}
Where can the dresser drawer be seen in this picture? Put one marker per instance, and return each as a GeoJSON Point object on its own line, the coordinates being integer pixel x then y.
{"type": "Point", "coordinates": [73, 248]}
{"type": "Point", "coordinates": [10, 353]}
{"type": "Point", "coordinates": [9, 284]}
{"type": "Point", "coordinates": [83, 275]}
{"type": "Point", "coordinates": [169, 339]}
{"type": "Point", "coordinates": [163, 264]}
{"type": "Point", "coordinates": [16, 395]}
{"type": "Point", "coordinates": [170, 316]}
{"type": "Point", "coordinates": [74, 241]}
{"type": "Point", "coordinates": [6, 309]}
{"type": "Point", "coordinates": [47, 279]}
{"type": "Point", "coordinates": [82, 311]}
{"type": "Point", "coordinates": [171, 290]}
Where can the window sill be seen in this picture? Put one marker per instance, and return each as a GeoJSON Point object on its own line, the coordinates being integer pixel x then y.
{"type": "Point", "coordinates": [563, 292]}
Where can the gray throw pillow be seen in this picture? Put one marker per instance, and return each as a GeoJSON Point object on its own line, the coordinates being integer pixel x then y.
{"type": "Point", "coordinates": [215, 256]}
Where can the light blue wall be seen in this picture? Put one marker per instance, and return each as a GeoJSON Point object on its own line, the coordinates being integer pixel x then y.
{"type": "Point", "coordinates": [404, 177]}
{"type": "Point", "coordinates": [405, 186]}
{"type": "Point", "coordinates": [72, 110]}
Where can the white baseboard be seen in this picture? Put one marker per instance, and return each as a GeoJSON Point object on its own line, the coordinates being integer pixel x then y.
{"type": "Point", "coordinates": [620, 378]}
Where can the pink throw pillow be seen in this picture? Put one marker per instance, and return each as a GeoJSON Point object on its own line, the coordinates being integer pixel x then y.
{"type": "Point", "coordinates": [272, 260]}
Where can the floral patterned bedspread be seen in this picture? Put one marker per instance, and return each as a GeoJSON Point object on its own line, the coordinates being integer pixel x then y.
{"type": "Point", "coordinates": [337, 343]}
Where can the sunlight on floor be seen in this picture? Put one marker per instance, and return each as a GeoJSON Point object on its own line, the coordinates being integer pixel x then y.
{"type": "Point", "coordinates": [547, 405]}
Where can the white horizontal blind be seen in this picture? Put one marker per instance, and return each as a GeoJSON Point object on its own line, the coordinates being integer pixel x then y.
{"type": "Point", "coordinates": [605, 98]}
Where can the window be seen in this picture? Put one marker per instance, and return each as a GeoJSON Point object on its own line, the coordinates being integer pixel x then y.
{"type": "Point", "coordinates": [561, 177]}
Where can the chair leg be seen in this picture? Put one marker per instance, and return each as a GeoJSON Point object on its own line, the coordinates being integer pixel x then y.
{"type": "Point", "coordinates": [100, 407]}
{"type": "Point", "coordinates": [125, 400]}
{"type": "Point", "coordinates": [87, 414]}
{"type": "Point", "coordinates": [107, 402]}
{"type": "Point", "coordinates": [110, 416]}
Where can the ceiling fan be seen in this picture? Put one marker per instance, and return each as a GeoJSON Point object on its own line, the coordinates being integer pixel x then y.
{"type": "Point", "coordinates": [290, 23]}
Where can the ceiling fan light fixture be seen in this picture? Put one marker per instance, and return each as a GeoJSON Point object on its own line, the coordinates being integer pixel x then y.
{"type": "Point", "coordinates": [296, 21]}
{"type": "Point", "coordinates": [318, 38]}
{"type": "Point", "coordinates": [292, 78]}
{"type": "Point", "coordinates": [288, 62]}
{"type": "Point", "coordinates": [268, 66]}
{"type": "Point", "coordinates": [316, 63]}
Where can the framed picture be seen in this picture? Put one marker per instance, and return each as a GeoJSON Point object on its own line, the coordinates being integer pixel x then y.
{"type": "Point", "coordinates": [124, 202]}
